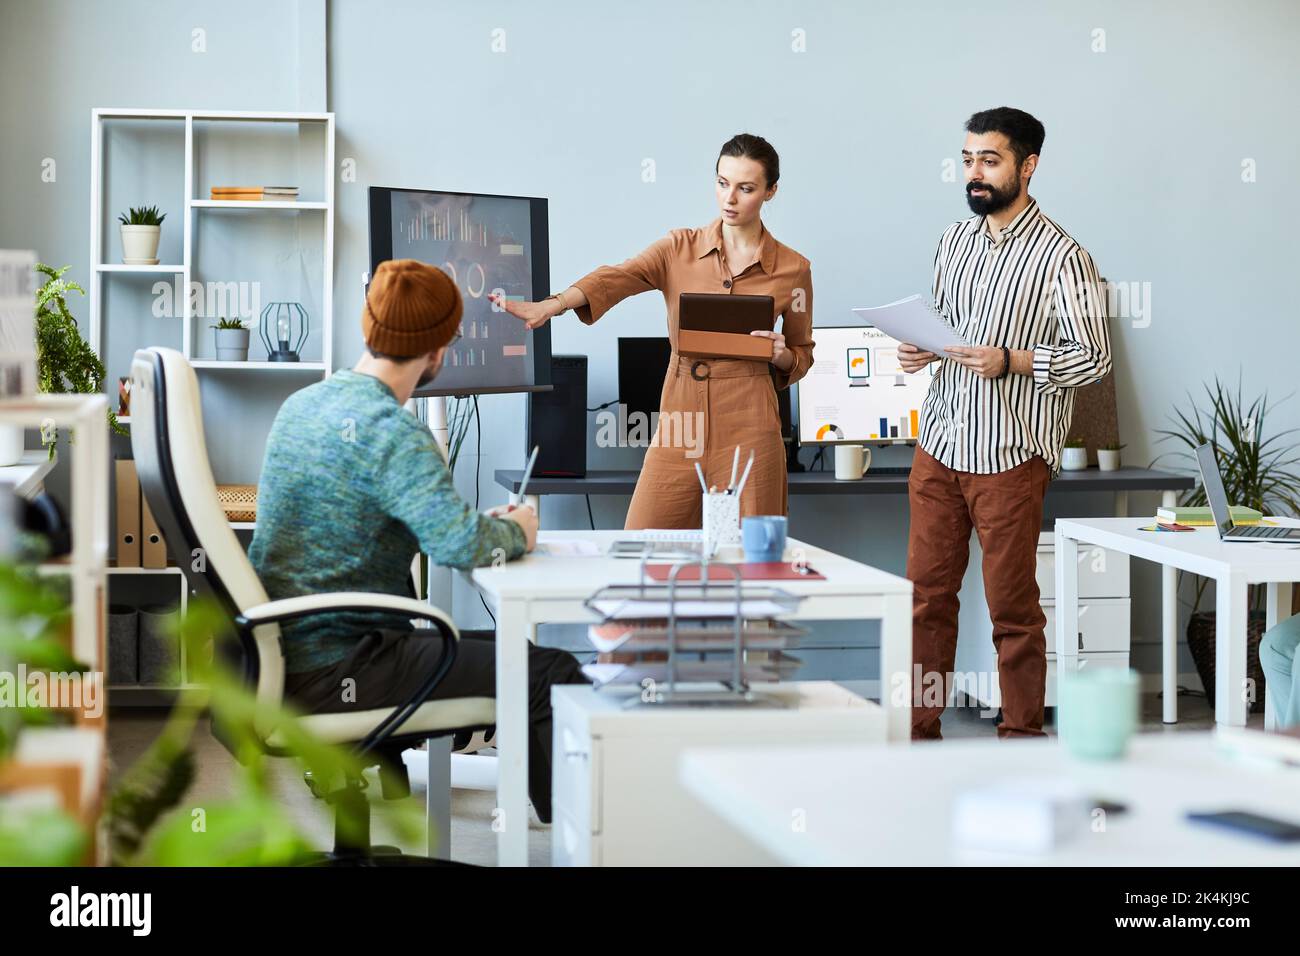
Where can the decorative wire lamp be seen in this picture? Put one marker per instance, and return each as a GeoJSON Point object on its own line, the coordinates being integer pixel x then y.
{"type": "Point", "coordinates": [278, 321]}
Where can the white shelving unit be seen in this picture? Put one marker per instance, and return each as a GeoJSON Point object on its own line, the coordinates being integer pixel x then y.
{"type": "Point", "coordinates": [86, 417]}
{"type": "Point", "coordinates": [196, 206]}
{"type": "Point", "coordinates": [236, 215]}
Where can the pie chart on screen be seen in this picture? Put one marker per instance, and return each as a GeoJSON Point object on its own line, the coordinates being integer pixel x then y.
{"type": "Point", "coordinates": [829, 430]}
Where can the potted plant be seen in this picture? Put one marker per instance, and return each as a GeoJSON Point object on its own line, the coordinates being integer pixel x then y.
{"type": "Point", "coordinates": [232, 340]}
{"type": "Point", "coordinates": [141, 229]}
{"type": "Point", "coordinates": [1259, 472]}
{"type": "Point", "coordinates": [1108, 456]}
{"type": "Point", "coordinates": [1074, 457]}
{"type": "Point", "coordinates": [65, 364]}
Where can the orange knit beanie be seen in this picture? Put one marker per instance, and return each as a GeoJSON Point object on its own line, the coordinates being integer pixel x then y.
{"type": "Point", "coordinates": [411, 308]}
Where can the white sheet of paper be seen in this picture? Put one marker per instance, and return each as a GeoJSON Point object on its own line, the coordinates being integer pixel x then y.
{"type": "Point", "coordinates": [915, 321]}
{"type": "Point", "coordinates": [568, 548]}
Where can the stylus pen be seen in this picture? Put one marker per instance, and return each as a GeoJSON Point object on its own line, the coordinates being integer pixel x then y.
{"type": "Point", "coordinates": [745, 477]}
{"type": "Point", "coordinates": [528, 473]}
{"type": "Point", "coordinates": [700, 471]}
{"type": "Point", "coordinates": [735, 465]}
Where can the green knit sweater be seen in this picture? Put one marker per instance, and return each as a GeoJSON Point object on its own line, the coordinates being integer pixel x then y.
{"type": "Point", "coordinates": [352, 488]}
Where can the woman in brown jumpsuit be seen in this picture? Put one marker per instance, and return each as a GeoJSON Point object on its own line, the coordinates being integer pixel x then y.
{"type": "Point", "coordinates": [733, 401]}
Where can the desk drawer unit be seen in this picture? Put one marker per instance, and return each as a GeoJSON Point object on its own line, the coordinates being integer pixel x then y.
{"type": "Point", "coordinates": [617, 798]}
{"type": "Point", "coordinates": [1102, 573]}
{"type": "Point", "coordinates": [1104, 616]}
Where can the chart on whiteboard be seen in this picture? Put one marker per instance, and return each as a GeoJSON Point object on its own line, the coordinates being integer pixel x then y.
{"type": "Point", "coordinates": [482, 242]}
{"type": "Point", "coordinates": [856, 391]}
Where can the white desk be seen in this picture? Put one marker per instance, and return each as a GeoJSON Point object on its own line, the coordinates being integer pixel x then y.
{"type": "Point", "coordinates": [1231, 566]}
{"type": "Point", "coordinates": [550, 590]}
{"type": "Point", "coordinates": [893, 806]}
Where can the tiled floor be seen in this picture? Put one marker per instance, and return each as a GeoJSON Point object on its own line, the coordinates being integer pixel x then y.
{"type": "Point", "coordinates": [473, 841]}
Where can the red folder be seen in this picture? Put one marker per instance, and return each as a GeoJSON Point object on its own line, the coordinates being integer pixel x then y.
{"type": "Point", "coordinates": [755, 571]}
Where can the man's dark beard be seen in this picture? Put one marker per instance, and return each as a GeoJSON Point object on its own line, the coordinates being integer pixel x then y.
{"type": "Point", "coordinates": [995, 201]}
{"type": "Point", "coordinates": [428, 376]}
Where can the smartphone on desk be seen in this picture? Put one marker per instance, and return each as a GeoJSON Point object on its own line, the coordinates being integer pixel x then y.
{"type": "Point", "coordinates": [1255, 824]}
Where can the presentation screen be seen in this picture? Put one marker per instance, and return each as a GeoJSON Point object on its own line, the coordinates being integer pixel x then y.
{"type": "Point", "coordinates": [857, 392]}
{"type": "Point", "coordinates": [485, 244]}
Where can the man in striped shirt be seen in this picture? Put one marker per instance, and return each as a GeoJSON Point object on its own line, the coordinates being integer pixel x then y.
{"type": "Point", "coordinates": [1027, 297]}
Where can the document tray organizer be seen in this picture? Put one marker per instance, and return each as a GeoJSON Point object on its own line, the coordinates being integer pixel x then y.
{"type": "Point", "coordinates": [722, 634]}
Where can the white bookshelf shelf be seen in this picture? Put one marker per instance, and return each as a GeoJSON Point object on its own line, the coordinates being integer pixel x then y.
{"type": "Point", "coordinates": [314, 367]}
{"type": "Point", "coordinates": [253, 204]}
{"type": "Point", "coordinates": [170, 569]}
{"type": "Point", "coordinates": [146, 270]}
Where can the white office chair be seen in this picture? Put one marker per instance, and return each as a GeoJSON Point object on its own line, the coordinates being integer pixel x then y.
{"type": "Point", "coordinates": [176, 479]}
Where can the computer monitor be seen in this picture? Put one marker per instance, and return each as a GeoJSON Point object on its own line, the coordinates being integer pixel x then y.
{"type": "Point", "coordinates": [642, 363]}
{"type": "Point", "coordinates": [486, 243]}
{"type": "Point", "coordinates": [856, 392]}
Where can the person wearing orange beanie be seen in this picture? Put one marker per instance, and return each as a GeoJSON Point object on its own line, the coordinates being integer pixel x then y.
{"type": "Point", "coordinates": [353, 487]}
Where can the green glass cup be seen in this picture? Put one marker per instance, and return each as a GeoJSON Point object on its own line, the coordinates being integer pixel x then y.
{"type": "Point", "coordinates": [1098, 712]}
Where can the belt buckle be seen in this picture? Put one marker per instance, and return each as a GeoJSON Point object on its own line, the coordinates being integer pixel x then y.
{"type": "Point", "coordinates": [696, 365]}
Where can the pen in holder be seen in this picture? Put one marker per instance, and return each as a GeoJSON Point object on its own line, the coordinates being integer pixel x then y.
{"type": "Point", "coordinates": [721, 521]}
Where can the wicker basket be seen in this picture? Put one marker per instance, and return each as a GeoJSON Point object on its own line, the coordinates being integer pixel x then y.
{"type": "Point", "coordinates": [1201, 642]}
{"type": "Point", "coordinates": [239, 502]}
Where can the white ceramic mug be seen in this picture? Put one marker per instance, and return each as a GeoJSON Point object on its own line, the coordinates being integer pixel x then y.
{"type": "Point", "coordinates": [851, 462]}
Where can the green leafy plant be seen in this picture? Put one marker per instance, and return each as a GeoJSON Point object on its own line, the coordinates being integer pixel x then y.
{"type": "Point", "coordinates": [1258, 471]}
{"type": "Point", "coordinates": [142, 216]}
{"type": "Point", "coordinates": [33, 621]}
{"type": "Point", "coordinates": [1112, 446]}
{"type": "Point", "coordinates": [65, 363]}
{"type": "Point", "coordinates": [225, 323]}
{"type": "Point", "coordinates": [1076, 443]}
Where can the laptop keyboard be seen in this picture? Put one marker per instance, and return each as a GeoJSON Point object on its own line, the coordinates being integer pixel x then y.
{"type": "Point", "coordinates": [1263, 532]}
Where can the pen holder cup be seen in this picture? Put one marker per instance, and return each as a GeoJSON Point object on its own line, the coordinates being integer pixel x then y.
{"type": "Point", "coordinates": [721, 521]}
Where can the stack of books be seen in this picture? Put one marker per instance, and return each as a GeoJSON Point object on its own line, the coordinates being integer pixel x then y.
{"type": "Point", "coordinates": [256, 193]}
{"type": "Point", "coordinates": [1197, 517]}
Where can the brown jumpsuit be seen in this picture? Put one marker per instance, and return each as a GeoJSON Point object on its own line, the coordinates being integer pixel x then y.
{"type": "Point", "coordinates": [733, 400]}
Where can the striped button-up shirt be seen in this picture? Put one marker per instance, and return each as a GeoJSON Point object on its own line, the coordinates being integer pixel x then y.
{"type": "Point", "coordinates": [1030, 287]}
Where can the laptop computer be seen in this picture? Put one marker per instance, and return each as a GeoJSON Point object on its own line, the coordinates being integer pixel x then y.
{"type": "Point", "coordinates": [1217, 496]}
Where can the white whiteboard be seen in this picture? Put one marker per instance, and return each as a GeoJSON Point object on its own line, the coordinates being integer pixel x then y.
{"type": "Point", "coordinates": [856, 392]}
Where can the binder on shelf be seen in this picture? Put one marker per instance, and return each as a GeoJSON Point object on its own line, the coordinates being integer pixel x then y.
{"type": "Point", "coordinates": [153, 549]}
{"type": "Point", "coordinates": [128, 513]}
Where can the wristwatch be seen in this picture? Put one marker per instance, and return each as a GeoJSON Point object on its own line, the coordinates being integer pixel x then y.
{"type": "Point", "coordinates": [556, 296]}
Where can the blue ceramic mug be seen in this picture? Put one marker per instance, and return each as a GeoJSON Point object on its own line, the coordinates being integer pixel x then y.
{"type": "Point", "coordinates": [763, 537]}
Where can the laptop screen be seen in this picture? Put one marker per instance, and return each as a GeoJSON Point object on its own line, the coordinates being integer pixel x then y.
{"type": "Point", "coordinates": [1215, 493]}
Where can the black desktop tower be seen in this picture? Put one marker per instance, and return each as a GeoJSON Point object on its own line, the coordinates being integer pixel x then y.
{"type": "Point", "coordinates": [557, 420]}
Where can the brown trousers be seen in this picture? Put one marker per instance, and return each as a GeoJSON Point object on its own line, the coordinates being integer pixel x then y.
{"type": "Point", "coordinates": [1006, 511]}
{"type": "Point", "coordinates": [706, 409]}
